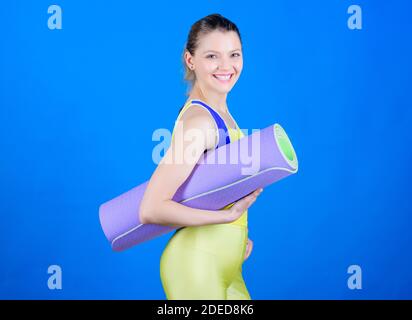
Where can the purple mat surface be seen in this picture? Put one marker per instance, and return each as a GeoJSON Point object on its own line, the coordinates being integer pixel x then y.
{"type": "Point", "coordinates": [221, 176]}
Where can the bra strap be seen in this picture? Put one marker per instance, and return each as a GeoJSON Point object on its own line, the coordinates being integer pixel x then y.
{"type": "Point", "coordinates": [224, 137]}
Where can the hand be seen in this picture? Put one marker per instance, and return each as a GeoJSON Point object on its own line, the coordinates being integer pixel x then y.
{"type": "Point", "coordinates": [242, 204]}
{"type": "Point", "coordinates": [249, 248]}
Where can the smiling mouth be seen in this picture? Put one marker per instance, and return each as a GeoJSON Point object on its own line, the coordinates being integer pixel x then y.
{"type": "Point", "coordinates": [223, 77]}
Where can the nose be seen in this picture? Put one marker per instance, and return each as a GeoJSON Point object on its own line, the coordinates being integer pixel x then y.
{"type": "Point", "coordinates": [225, 65]}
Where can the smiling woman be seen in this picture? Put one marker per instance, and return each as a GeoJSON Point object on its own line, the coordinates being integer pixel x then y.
{"type": "Point", "coordinates": [214, 48]}
{"type": "Point", "coordinates": [204, 257]}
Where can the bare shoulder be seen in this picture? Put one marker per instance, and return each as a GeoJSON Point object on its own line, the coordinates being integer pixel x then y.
{"type": "Point", "coordinates": [197, 117]}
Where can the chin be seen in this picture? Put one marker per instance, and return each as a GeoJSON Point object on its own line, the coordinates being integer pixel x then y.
{"type": "Point", "coordinates": [222, 88]}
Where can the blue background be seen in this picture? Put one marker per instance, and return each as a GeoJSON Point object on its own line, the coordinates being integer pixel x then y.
{"type": "Point", "coordinates": [79, 106]}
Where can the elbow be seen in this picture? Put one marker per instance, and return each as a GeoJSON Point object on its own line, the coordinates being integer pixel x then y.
{"type": "Point", "coordinates": [146, 215]}
{"type": "Point", "coordinates": [150, 212]}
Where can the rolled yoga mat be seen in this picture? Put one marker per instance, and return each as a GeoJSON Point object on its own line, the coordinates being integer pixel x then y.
{"type": "Point", "coordinates": [220, 177]}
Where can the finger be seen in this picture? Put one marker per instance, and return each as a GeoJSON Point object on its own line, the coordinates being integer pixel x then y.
{"type": "Point", "coordinates": [256, 193]}
{"type": "Point", "coordinates": [246, 254]}
{"type": "Point", "coordinates": [253, 193]}
{"type": "Point", "coordinates": [250, 196]}
{"type": "Point", "coordinates": [250, 199]}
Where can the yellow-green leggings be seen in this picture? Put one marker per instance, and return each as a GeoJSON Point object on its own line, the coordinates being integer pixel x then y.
{"type": "Point", "coordinates": [205, 262]}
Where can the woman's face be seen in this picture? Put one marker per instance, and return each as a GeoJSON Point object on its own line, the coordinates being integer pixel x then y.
{"type": "Point", "coordinates": [218, 60]}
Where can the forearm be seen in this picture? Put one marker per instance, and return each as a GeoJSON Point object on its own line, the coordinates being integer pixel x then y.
{"type": "Point", "coordinates": [169, 212]}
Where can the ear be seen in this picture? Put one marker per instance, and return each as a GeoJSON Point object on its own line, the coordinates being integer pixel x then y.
{"type": "Point", "coordinates": [188, 59]}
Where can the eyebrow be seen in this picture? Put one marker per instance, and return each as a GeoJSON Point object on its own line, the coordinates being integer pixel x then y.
{"type": "Point", "coordinates": [218, 51]}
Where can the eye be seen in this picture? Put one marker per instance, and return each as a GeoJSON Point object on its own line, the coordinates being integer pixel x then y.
{"type": "Point", "coordinates": [238, 54]}
{"type": "Point", "coordinates": [211, 55]}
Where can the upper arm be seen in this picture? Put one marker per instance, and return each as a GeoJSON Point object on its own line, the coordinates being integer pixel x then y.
{"type": "Point", "coordinates": [194, 133]}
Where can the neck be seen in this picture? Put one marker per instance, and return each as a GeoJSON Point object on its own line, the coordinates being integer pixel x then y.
{"type": "Point", "coordinates": [215, 99]}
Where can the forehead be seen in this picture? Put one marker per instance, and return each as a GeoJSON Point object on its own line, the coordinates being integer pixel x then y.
{"type": "Point", "coordinates": [222, 41]}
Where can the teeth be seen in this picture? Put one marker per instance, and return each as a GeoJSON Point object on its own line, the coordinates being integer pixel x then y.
{"type": "Point", "coordinates": [227, 77]}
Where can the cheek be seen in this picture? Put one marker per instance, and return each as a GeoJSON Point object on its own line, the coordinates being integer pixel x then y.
{"type": "Point", "coordinates": [239, 66]}
{"type": "Point", "coordinates": [207, 69]}
{"type": "Point", "coordinates": [210, 67]}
